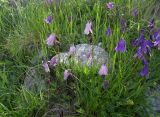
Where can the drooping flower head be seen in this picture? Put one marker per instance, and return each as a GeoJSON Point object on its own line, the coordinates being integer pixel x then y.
{"type": "Point", "coordinates": [144, 72]}
{"type": "Point", "coordinates": [157, 42]}
{"type": "Point", "coordinates": [103, 71]}
{"type": "Point", "coordinates": [110, 5]}
{"type": "Point", "coordinates": [72, 50]}
{"type": "Point", "coordinates": [154, 34]}
{"type": "Point", "coordinates": [48, 20]}
{"type": "Point", "coordinates": [109, 32]}
{"type": "Point", "coordinates": [53, 61]}
{"type": "Point", "coordinates": [121, 46]}
{"type": "Point", "coordinates": [45, 66]}
{"type": "Point", "coordinates": [67, 74]}
{"type": "Point", "coordinates": [52, 40]}
{"type": "Point", "coordinates": [88, 28]}
{"type": "Point", "coordinates": [105, 84]}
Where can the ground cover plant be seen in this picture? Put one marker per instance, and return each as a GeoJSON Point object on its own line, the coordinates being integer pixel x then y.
{"type": "Point", "coordinates": [32, 32]}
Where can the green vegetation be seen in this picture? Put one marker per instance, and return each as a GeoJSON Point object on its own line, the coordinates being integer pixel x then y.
{"type": "Point", "coordinates": [23, 35]}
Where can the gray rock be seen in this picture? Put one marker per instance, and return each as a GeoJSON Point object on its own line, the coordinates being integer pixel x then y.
{"type": "Point", "coordinates": [33, 81]}
{"type": "Point", "coordinates": [99, 55]}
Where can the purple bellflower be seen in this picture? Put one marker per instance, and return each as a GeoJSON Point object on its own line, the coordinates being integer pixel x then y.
{"type": "Point", "coordinates": [121, 46]}
{"type": "Point", "coordinates": [89, 58]}
{"type": "Point", "coordinates": [89, 55]}
{"type": "Point", "coordinates": [88, 28]}
{"type": "Point", "coordinates": [72, 50]}
{"type": "Point", "coordinates": [109, 32]}
{"type": "Point", "coordinates": [143, 49]}
{"type": "Point", "coordinates": [154, 35]}
{"type": "Point", "coordinates": [48, 20]}
{"type": "Point", "coordinates": [110, 5]}
{"type": "Point", "coordinates": [67, 74]}
{"type": "Point", "coordinates": [45, 66]}
{"type": "Point", "coordinates": [144, 72]}
{"type": "Point", "coordinates": [146, 46]}
{"type": "Point", "coordinates": [103, 71]}
{"type": "Point", "coordinates": [52, 40]}
{"type": "Point", "coordinates": [53, 61]}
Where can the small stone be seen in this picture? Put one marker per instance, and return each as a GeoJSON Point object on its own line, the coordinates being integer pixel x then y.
{"type": "Point", "coordinates": [34, 82]}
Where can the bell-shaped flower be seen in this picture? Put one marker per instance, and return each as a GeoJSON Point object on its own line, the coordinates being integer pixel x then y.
{"type": "Point", "coordinates": [121, 46]}
{"type": "Point", "coordinates": [72, 50]}
{"type": "Point", "coordinates": [53, 61]}
{"type": "Point", "coordinates": [67, 74]}
{"type": "Point", "coordinates": [144, 71]}
{"type": "Point", "coordinates": [45, 66]}
{"type": "Point", "coordinates": [88, 28]}
{"type": "Point", "coordinates": [110, 5]}
{"type": "Point", "coordinates": [52, 40]}
{"type": "Point", "coordinates": [103, 71]}
{"type": "Point", "coordinates": [109, 32]}
{"type": "Point", "coordinates": [48, 20]}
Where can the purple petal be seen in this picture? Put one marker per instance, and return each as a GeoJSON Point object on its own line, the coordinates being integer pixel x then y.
{"type": "Point", "coordinates": [53, 61]}
{"type": "Point", "coordinates": [108, 32]}
{"type": "Point", "coordinates": [110, 5]}
{"type": "Point", "coordinates": [51, 40]}
{"type": "Point", "coordinates": [157, 42]}
{"type": "Point", "coordinates": [88, 55]}
{"type": "Point", "coordinates": [121, 46]}
{"type": "Point", "coordinates": [103, 70]}
{"type": "Point", "coordinates": [67, 74]}
{"type": "Point", "coordinates": [45, 66]}
{"type": "Point", "coordinates": [142, 31]}
{"type": "Point", "coordinates": [48, 20]}
{"type": "Point", "coordinates": [149, 43]}
{"type": "Point", "coordinates": [144, 71]}
{"type": "Point", "coordinates": [72, 50]}
{"type": "Point", "coordinates": [88, 28]}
